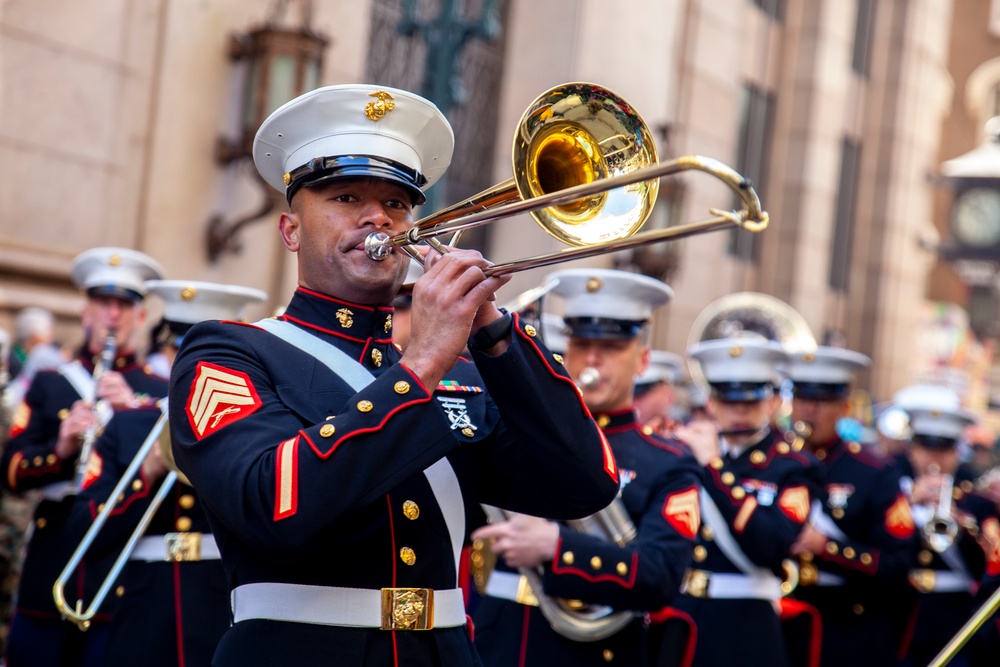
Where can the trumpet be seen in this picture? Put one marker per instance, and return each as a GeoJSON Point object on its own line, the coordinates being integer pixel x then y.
{"type": "Point", "coordinates": [104, 362]}
{"type": "Point", "coordinates": [80, 617]}
{"type": "Point", "coordinates": [941, 529]}
{"type": "Point", "coordinates": [585, 167]}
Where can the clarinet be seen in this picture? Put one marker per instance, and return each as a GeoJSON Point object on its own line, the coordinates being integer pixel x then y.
{"type": "Point", "coordinates": [104, 362]}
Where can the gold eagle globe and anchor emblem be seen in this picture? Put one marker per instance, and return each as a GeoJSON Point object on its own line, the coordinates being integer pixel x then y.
{"type": "Point", "coordinates": [346, 317]}
{"type": "Point", "coordinates": [380, 106]}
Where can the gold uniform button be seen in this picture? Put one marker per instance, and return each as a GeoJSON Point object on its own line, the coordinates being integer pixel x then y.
{"type": "Point", "coordinates": [858, 609]}
{"type": "Point", "coordinates": [757, 457]}
{"type": "Point", "coordinates": [707, 533]}
{"type": "Point", "coordinates": [23, 463]}
{"type": "Point", "coordinates": [37, 461]}
{"type": "Point", "coordinates": [866, 559]}
{"type": "Point", "coordinates": [831, 548]}
{"type": "Point", "coordinates": [186, 501]}
{"type": "Point", "coordinates": [63, 414]}
{"type": "Point", "coordinates": [558, 358]}
{"type": "Point", "coordinates": [854, 448]}
{"type": "Point", "coordinates": [925, 557]}
{"type": "Point", "coordinates": [608, 655]}
{"type": "Point", "coordinates": [728, 478]}
{"type": "Point", "coordinates": [603, 420]}
{"type": "Point", "coordinates": [596, 563]}
{"type": "Point", "coordinates": [783, 448]}
{"type": "Point", "coordinates": [120, 591]}
{"type": "Point", "coordinates": [716, 463]}
{"type": "Point", "coordinates": [530, 330]}
{"type": "Point", "coordinates": [700, 554]}
{"type": "Point", "coordinates": [401, 387]}
{"type": "Point", "coordinates": [838, 513]}
{"type": "Point", "coordinates": [137, 485]}
{"type": "Point", "coordinates": [40, 523]}
{"type": "Point", "coordinates": [849, 552]}
{"type": "Point", "coordinates": [411, 510]}
{"type": "Point", "coordinates": [365, 406]}
{"type": "Point", "coordinates": [647, 430]}
{"type": "Point", "coordinates": [326, 430]}
{"type": "Point", "coordinates": [50, 459]}
{"type": "Point", "coordinates": [568, 558]}
{"type": "Point", "coordinates": [407, 555]}
{"type": "Point", "coordinates": [621, 569]}
{"type": "Point", "coordinates": [739, 493]}
{"type": "Point", "coordinates": [967, 486]}
{"type": "Point", "coordinates": [183, 524]}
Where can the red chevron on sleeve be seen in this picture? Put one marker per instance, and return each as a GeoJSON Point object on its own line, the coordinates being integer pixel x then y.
{"type": "Point", "coordinates": [218, 397]}
{"type": "Point", "coordinates": [683, 512]}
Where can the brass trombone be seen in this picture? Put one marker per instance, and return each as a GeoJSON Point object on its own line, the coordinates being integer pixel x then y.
{"type": "Point", "coordinates": [585, 167]}
{"type": "Point", "coordinates": [77, 614]}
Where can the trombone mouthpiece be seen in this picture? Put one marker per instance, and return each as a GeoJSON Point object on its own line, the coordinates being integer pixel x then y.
{"type": "Point", "coordinates": [589, 378]}
{"type": "Point", "coordinates": [376, 247]}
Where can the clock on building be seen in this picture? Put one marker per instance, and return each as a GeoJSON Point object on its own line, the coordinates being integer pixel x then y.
{"type": "Point", "coordinates": [975, 216]}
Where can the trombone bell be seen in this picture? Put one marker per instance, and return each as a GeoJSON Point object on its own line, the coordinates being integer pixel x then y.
{"type": "Point", "coordinates": [580, 133]}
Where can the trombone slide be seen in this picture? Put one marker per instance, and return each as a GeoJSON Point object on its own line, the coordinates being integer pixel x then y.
{"type": "Point", "coordinates": [77, 614]}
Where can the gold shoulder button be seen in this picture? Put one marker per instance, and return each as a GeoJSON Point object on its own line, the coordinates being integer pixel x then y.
{"type": "Point", "coordinates": [757, 457]}
{"type": "Point", "coordinates": [558, 358]}
{"type": "Point", "coordinates": [326, 430]}
{"type": "Point", "coordinates": [621, 569]}
{"type": "Point", "coordinates": [530, 330]}
{"type": "Point", "coordinates": [568, 558]}
{"type": "Point", "coordinates": [62, 414]}
{"type": "Point", "coordinates": [783, 448]}
{"type": "Point", "coordinates": [596, 562]}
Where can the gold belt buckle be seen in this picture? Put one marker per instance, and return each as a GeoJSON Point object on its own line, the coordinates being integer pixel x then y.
{"type": "Point", "coordinates": [407, 609]}
{"type": "Point", "coordinates": [696, 583]}
{"type": "Point", "coordinates": [183, 547]}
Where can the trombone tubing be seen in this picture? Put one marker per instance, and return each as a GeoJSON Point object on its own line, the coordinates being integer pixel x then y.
{"type": "Point", "coordinates": [80, 618]}
{"type": "Point", "coordinates": [982, 615]}
{"type": "Point", "coordinates": [751, 217]}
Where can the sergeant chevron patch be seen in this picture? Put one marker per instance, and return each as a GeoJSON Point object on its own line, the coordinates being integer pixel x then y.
{"type": "Point", "coordinates": [219, 396]}
{"type": "Point", "coordinates": [898, 520]}
{"type": "Point", "coordinates": [683, 512]}
{"type": "Point", "coordinates": [794, 502]}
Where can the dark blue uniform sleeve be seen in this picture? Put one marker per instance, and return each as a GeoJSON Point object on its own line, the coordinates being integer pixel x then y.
{"type": "Point", "coordinates": [646, 574]}
{"type": "Point", "coordinates": [889, 549]}
{"type": "Point", "coordinates": [280, 454]}
{"type": "Point", "coordinates": [765, 533]}
{"type": "Point", "coordinates": [29, 457]}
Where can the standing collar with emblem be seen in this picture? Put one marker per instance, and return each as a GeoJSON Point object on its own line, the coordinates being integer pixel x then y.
{"type": "Point", "coordinates": [340, 318]}
{"type": "Point", "coordinates": [615, 421]}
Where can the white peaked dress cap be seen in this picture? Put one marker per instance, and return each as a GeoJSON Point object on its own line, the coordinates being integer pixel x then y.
{"type": "Point", "coordinates": [825, 365]}
{"type": "Point", "coordinates": [354, 130]}
{"type": "Point", "coordinates": [190, 302]}
{"type": "Point", "coordinates": [663, 367]}
{"type": "Point", "coordinates": [117, 272]}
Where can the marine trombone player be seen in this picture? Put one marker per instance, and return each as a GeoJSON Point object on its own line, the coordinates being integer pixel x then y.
{"type": "Point", "coordinates": [338, 472]}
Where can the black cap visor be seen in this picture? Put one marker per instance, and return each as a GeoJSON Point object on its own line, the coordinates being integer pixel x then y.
{"type": "Point", "coordinates": [820, 391]}
{"type": "Point", "coordinates": [325, 169]}
{"type": "Point", "coordinates": [742, 392]}
{"type": "Point", "coordinates": [603, 328]}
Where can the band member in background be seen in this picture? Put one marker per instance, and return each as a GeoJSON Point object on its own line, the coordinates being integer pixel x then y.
{"type": "Point", "coordinates": [858, 547]}
{"type": "Point", "coordinates": [758, 491]}
{"type": "Point", "coordinates": [956, 525]}
{"type": "Point", "coordinates": [336, 471]}
{"type": "Point", "coordinates": [47, 432]}
{"type": "Point", "coordinates": [173, 602]}
{"type": "Point", "coordinates": [606, 314]}
{"type": "Point", "coordinates": [656, 401]}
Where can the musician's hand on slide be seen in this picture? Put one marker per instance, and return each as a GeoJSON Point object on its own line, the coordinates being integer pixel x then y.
{"type": "Point", "coordinates": [523, 541]}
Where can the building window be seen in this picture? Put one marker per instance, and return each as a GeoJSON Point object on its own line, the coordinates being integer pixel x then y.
{"type": "Point", "coordinates": [861, 60]}
{"type": "Point", "coordinates": [840, 258]}
{"type": "Point", "coordinates": [773, 8]}
{"type": "Point", "coordinates": [753, 160]}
